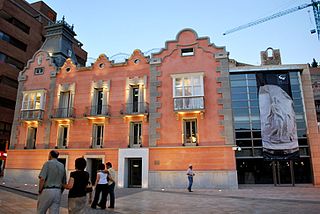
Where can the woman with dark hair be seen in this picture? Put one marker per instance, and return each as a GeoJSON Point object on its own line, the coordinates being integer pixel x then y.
{"type": "Point", "coordinates": [77, 184]}
{"type": "Point", "coordinates": [101, 186]}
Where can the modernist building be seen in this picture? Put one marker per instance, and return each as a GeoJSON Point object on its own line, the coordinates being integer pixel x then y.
{"type": "Point", "coordinates": [315, 80]}
{"type": "Point", "coordinates": [152, 117]}
{"type": "Point", "coordinates": [21, 35]}
{"type": "Point", "coordinates": [251, 166]}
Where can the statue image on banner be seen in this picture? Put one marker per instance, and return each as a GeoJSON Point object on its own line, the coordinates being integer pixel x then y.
{"type": "Point", "coordinates": [278, 122]}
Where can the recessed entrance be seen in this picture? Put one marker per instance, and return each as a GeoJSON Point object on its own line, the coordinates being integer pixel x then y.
{"type": "Point", "coordinates": [134, 172]}
{"type": "Point", "coordinates": [92, 168]}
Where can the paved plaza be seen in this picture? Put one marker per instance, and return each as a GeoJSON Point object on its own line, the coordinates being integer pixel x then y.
{"type": "Point", "coordinates": [16, 198]}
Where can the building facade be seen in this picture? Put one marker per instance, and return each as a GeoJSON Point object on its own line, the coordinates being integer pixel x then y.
{"type": "Point", "coordinates": [22, 33]}
{"type": "Point", "coordinates": [152, 117]}
{"type": "Point", "coordinates": [251, 167]}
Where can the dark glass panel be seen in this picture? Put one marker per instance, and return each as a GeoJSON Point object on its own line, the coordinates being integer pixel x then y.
{"type": "Point", "coordinates": [257, 152]}
{"type": "Point", "coordinates": [243, 135]}
{"type": "Point", "coordinates": [257, 142]}
{"type": "Point", "coordinates": [244, 143]}
{"type": "Point", "coordinates": [256, 134]}
{"type": "Point", "coordinates": [303, 142]}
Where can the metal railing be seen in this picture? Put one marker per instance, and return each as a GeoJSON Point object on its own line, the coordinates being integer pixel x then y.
{"type": "Point", "coordinates": [97, 142]}
{"type": "Point", "coordinates": [135, 108]}
{"type": "Point", "coordinates": [135, 141]}
{"type": "Point", "coordinates": [98, 110]}
{"type": "Point", "coordinates": [34, 114]}
{"type": "Point", "coordinates": [63, 113]}
{"type": "Point", "coordinates": [188, 103]}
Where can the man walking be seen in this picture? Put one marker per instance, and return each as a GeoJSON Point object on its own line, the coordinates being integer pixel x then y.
{"type": "Point", "coordinates": [190, 175]}
{"type": "Point", "coordinates": [111, 183]}
{"type": "Point", "coordinates": [52, 178]}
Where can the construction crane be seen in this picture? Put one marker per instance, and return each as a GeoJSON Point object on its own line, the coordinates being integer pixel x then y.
{"type": "Point", "coordinates": [316, 11]}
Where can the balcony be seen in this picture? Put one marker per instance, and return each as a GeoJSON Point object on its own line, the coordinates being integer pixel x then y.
{"type": "Point", "coordinates": [60, 113]}
{"type": "Point", "coordinates": [135, 141]}
{"type": "Point", "coordinates": [97, 111]}
{"type": "Point", "coordinates": [32, 115]}
{"type": "Point", "coordinates": [189, 103]}
{"type": "Point", "coordinates": [135, 108]}
{"type": "Point", "coordinates": [97, 142]}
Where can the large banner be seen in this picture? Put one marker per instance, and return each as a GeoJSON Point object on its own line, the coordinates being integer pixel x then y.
{"type": "Point", "coordinates": [278, 120]}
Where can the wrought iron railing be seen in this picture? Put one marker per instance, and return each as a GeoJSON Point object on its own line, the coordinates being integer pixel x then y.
{"type": "Point", "coordinates": [98, 110]}
{"type": "Point", "coordinates": [135, 108]}
{"type": "Point", "coordinates": [97, 142]}
{"type": "Point", "coordinates": [189, 103]}
{"type": "Point", "coordinates": [63, 113]}
{"type": "Point", "coordinates": [135, 141]}
{"type": "Point", "coordinates": [34, 114]}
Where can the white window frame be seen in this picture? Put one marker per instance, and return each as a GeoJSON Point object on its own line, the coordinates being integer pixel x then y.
{"type": "Point", "coordinates": [34, 138]}
{"type": "Point", "coordinates": [59, 138]}
{"type": "Point", "coordinates": [191, 76]}
{"type": "Point", "coordinates": [29, 101]}
{"type": "Point", "coordinates": [94, 135]}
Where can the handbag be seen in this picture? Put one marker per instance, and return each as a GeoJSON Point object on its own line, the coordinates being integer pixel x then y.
{"type": "Point", "coordinates": [89, 188]}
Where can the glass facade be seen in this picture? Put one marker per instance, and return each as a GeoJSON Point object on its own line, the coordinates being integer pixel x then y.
{"type": "Point", "coordinates": [251, 166]}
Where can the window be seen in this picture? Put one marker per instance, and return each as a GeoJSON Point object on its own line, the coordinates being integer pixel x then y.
{"type": "Point", "coordinates": [97, 135]}
{"type": "Point", "coordinates": [65, 105]}
{"type": "Point", "coordinates": [187, 52]}
{"type": "Point", "coordinates": [97, 105]}
{"type": "Point", "coordinates": [38, 71]}
{"type": "Point", "coordinates": [33, 100]}
{"type": "Point", "coordinates": [62, 136]}
{"type": "Point", "coordinates": [190, 132]}
{"type": "Point", "coordinates": [31, 138]}
{"type": "Point", "coordinates": [135, 134]}
{"type": "Point", "coordinates": [188, 92]}
{"type": "Point", "coordinates": [11, 61]}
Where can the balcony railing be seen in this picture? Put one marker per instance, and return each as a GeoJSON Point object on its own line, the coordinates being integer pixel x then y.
{"type": "Point", "coordinates": [97, 142]}
{"type": "Point", "coordinates": [98, 110]}
{"type": "Point", "coordinates": [135, 108]}
{"type": "Point", "coordinates": [34, 114]}
{"type": "Point", "coordinates": [135, 141]}
{"type": "Point", "coordinates": [188, 103]}
{"type": "Point", "coordinates": [63, 113]}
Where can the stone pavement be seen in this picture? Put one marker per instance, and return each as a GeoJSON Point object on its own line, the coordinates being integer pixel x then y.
{"type": "Point", "coordinates": [246, 199]}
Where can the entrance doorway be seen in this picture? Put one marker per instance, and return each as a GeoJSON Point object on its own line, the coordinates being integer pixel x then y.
{"type": "Point", "coordinates": [92, 168]}
{"type": "Point", "coordinates": [134, 172]}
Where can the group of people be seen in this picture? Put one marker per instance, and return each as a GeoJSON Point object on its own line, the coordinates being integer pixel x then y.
{"type": "Point", "coordinates": [52, 182]}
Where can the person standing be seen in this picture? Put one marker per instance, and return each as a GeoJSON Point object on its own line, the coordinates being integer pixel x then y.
{"type": "Point", "coordinates": [111, 184]}
{"type": "Point", "coordinates": [77, 184]}
{"type": "Point", "coordinates": [101, 186]}
{"type": "Point", "coordinates": [190, 175]}
{"type": "Point", "coordinates": [52, 179]}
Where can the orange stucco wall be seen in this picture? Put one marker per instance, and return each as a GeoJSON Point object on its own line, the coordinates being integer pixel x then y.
{"type": "Point", "coordinates": [34, 159]}
{"type": "Point", "coordinates": [202, 158]}
{"type": "Point", "coordinates": [173, 63]}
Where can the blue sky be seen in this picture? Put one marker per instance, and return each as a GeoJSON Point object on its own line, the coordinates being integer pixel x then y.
{"type": "Point", "coordinates": [119, 26]}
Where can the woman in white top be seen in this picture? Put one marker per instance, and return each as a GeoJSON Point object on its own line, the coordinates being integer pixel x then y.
{"type": "Point", "coordinates": [101, 186]}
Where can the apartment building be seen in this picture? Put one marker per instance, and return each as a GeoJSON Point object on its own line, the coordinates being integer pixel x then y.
{"type": "Point", "coordinates": [22, 33]}
{"type": "Point", "coordinates": [153, 116]}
